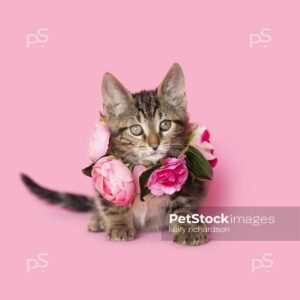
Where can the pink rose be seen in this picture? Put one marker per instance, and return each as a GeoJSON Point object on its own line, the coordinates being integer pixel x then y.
{"type": "Point", "coordinates": [201, 139]}
{"type": "Point", "coordinates": [136, 173]}
{"type": "Point", "coordinates": [113, 180]}
{"type": "Point", "coordinates": [169, 178]}
{"type": "Point", "coordinates": [99, 141]}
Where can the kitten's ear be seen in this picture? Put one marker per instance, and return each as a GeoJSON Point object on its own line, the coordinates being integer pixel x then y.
{"type": "Point", "coordinates": [172, 89]}
{"type": "Point", "coordinates": [116, 98]}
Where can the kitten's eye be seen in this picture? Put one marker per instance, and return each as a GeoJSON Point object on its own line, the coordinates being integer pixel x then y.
{"type": "Point", "coordinates": [165, 125]}
{"type": "Point", "coordinates": [136, 129]}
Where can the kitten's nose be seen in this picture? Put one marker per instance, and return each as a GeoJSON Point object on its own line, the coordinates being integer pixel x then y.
{"type": "Point", "coordinates": [154, 146]}
{"type": "Point", "coordinates": [153, 140]}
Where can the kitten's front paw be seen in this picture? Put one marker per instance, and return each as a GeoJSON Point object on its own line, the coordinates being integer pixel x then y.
{"type": "Point", "coordinates": [190, 237]}
{"type": "Point", "coordinates": [95, 224]}
{"type": "Point", "coordinates": [121, 234]}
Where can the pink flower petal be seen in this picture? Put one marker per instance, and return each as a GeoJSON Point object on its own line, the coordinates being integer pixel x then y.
{"type": "Point", "coordinates": [113, 180]}
{"type": "Point", "coordinates": [99, 141]}
{"type": "Point", "coordinates": [169, 178]}
{"type": "Point", "coordinates": [205, 135]}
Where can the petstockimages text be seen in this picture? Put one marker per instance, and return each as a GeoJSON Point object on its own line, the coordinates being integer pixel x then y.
{"type": "Point", "coordinates": [222, 219]}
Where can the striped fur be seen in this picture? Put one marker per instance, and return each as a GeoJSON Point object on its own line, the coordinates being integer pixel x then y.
{"type": "Point", "coordinates": [145, 111]}
{"type": "Point", "coordinates": [69, 201]}
{"type": "Point", "coordinates": [148, 109]}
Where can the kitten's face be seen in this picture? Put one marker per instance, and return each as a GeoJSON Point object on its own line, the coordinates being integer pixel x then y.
{"type": "Point", "coordinates": [149, 125]}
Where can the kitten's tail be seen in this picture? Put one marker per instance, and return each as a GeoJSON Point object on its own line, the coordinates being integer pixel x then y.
{"type": "Point", "coordinates": [69, 201]}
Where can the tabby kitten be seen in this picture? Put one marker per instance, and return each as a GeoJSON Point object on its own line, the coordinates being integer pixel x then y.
{"type": "Point", "coordinates": [145, 127]}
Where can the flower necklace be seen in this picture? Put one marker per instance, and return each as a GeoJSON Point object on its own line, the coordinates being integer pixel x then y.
{"type": "Point", "coordinates": [119, 183]}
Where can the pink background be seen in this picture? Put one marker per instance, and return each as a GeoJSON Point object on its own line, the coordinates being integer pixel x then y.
{"type": "Point", "coordinates": [50, 97]}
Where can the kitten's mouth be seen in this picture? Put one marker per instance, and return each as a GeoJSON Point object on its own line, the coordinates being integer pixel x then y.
{"type": "Point", "coordinates": [153, 157]}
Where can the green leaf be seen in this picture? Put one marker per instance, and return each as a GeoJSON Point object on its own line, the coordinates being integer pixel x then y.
{"type": "Point", "coordinates": [144, 178]}
{"type": "Point", "coordinates": [197, 164]}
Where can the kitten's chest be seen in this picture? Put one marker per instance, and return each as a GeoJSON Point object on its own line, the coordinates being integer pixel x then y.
{"type": "Point", "coordinates": [152, 213]}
